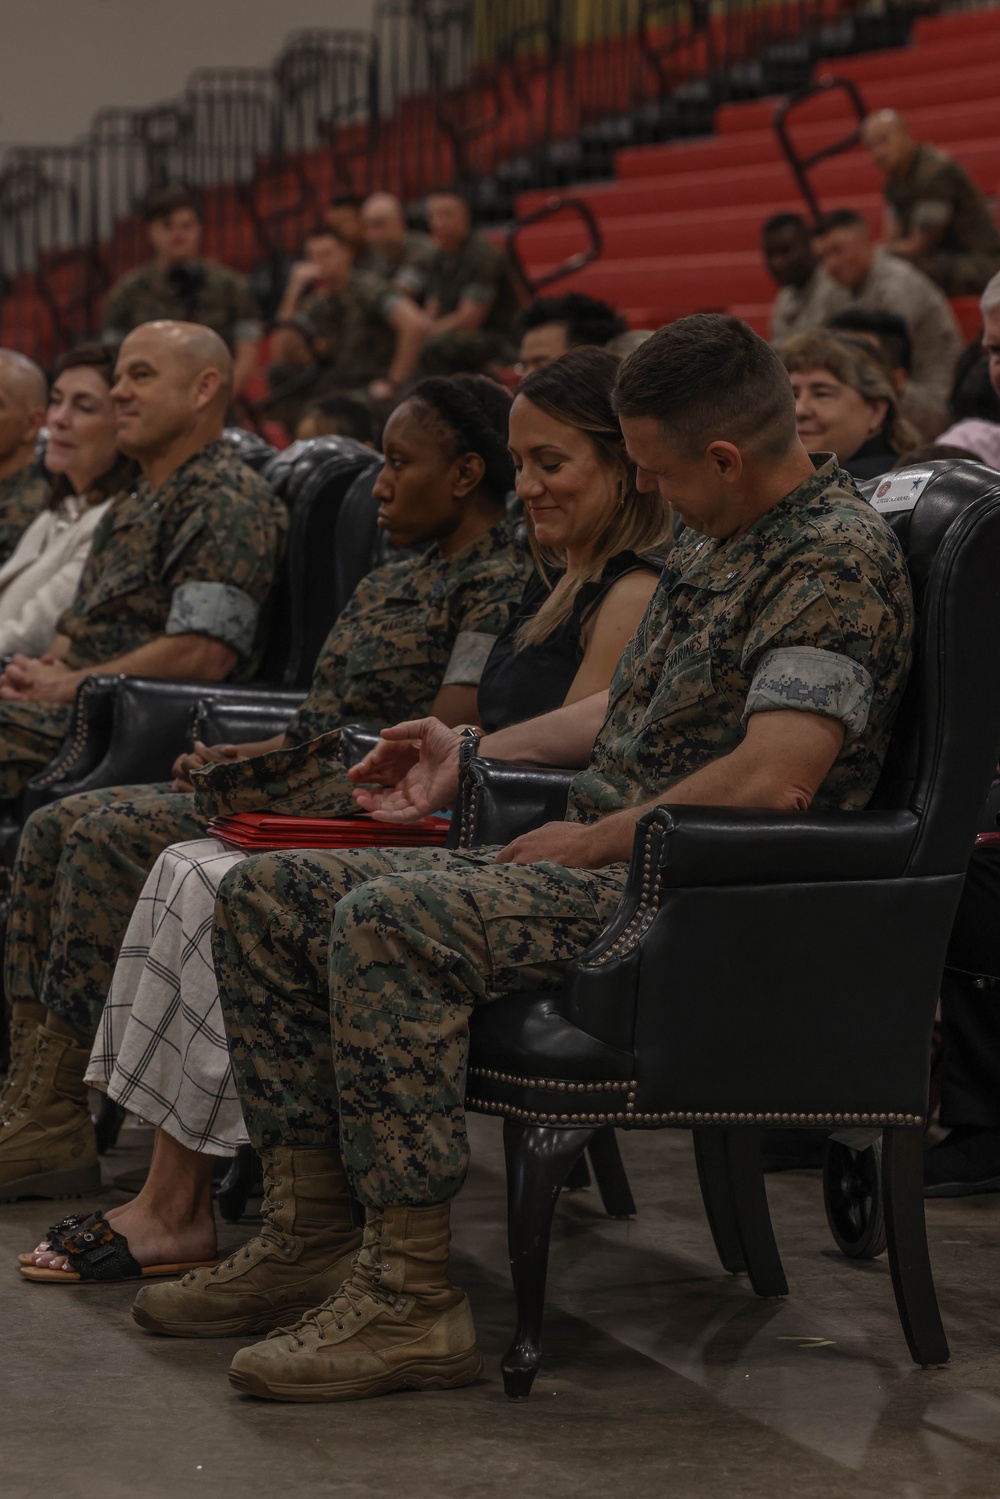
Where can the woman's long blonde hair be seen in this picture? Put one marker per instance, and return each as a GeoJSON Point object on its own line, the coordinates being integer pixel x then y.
{"type": "Point", "coordinates": [576, 391]}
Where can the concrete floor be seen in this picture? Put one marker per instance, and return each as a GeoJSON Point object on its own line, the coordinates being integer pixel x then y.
{"type": "Point", "coordinates": [663, 1377]}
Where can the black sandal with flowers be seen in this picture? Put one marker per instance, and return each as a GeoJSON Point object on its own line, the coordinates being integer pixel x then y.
{"type": "Point", "coordinates": [97, 1253]}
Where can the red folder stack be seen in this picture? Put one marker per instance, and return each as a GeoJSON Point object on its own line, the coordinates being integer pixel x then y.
{"type": "Point", "coordinates": [262, 832]}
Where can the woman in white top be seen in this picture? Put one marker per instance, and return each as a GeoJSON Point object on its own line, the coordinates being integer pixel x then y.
{"type": "Point", "coordinates": [38, 582]}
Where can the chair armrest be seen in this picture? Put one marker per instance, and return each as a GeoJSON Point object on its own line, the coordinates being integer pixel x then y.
{"type": "Point", "coordinates": [125, 731]}
{"type": "Point", "coordinates": [500, 799]}
{"type": "Point", "coordinates": [249, 717]}
{"type": "Point", "coordinates": [84, 746]}
{"type": "Point", "coordinates": [747, 846]}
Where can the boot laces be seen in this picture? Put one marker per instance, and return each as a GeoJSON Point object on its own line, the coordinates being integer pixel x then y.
{"type": "Point", "coordinates": [268, 1234]}
{"type": "Point", "coordinates": [363, 1284]}
{"type": "Point", "coordinates": [21, 1105]}
{"type": "Point", "coordinates": [20, 1030]}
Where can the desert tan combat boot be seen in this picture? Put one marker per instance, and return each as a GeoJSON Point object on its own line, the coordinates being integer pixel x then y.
{"type": "Point", "coordinates": [25, 1018]}
{"type": "Point", "coordinates": [302, 1254]}
{"type": "Point", "coordinates": [47, 1144]}
{"type": "Point", "coordinates": [395, 1324]}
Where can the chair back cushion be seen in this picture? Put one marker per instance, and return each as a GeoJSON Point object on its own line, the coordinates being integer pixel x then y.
{"type": "Point", "coordinates": [944, 746]}
{"type": "Point", "coordinates": [305, 601]}
{"type": "Point", "coordinates": [252, 449]}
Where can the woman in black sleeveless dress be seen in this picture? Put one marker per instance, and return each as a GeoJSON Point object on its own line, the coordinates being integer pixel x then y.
{"type": "Point", "coordinates": [598, 544]}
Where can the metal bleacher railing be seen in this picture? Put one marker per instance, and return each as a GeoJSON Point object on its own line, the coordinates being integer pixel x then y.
{"type": "Point", "coordinates": [495, 95]}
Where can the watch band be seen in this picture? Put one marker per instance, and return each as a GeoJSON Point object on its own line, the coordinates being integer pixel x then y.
{"type": "Point", "coordinates": [468, 747]}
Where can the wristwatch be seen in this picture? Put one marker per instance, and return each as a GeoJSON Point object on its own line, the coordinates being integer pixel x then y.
{"type": "Point", "coordinates": [468, 747]}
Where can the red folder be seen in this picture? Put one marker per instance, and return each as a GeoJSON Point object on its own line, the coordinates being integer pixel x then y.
{"type": "Point", "coordinates": [262, 832]}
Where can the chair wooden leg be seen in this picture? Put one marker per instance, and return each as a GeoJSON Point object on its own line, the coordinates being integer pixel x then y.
{"type": "Point", "coordinates": [609, 1171]}
{"type": "Point", "coordinates": [717, 1195]}
{"type": "Point", "coordinates": [906, 1237]}
{"type": "Point", "coordinates": [579, 1176]}
{"type": "Point", "coordinates": [753, 1217]}
{"type": "Point", "coordinates": [538, 1162]}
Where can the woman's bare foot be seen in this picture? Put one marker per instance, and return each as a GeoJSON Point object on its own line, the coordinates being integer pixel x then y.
{"type": "Point", "coordinates": [151, 1239]}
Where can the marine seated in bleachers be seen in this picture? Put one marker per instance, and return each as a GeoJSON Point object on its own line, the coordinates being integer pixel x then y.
{"type": "Point", "coordinates": [402, 256]}
{"type": "Point", "coordinates": [340, 329]}
{"type": "Point", "coordinates": [180, 565]}
{"type": "Point", "coordinates": [472, 300]}
{"type": "Point", "coordinates": [805, 290]}
{"type": "Point", "coordinates": [83, 472]}
{"type": "Point", "coordinates": [24, 489]}
{"type": "Point", "coordinates": [935, 215]}
{"type": "Point", "coordinates": [868, 276]}
{"type": "Point", "coordinates": [889, 334]}
{"type": "Point", "coordinates": [179, 284]}
{"type": "Point", "coordinates": [337, 416]}
{"type": "Point", "coordinates": [552, 325]}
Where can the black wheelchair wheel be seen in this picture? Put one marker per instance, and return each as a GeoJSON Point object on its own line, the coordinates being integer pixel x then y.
{"type": "Point", "coordinates": [852, 1195]}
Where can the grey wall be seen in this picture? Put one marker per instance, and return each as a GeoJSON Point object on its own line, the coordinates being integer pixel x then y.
{"type": "Point", "coordinates": [62, 60]}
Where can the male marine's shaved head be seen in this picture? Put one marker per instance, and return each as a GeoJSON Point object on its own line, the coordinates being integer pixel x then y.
{"type": "Point", "coordinates": [23, 381]}
{"type": "Point", "coordinates": [173, 383]}
{"type": "Point", "coordinates": [889, 142]}
{"type": "Point", "coordinates": [198, 347]}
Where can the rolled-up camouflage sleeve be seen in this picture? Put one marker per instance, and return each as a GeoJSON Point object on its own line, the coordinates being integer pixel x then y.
{"type": "Point", "coordinates": [812, 680]}
{"type": "Point", "coordinates": [217, 609]}
{"type": "Point", "coordinates": [468, 657]}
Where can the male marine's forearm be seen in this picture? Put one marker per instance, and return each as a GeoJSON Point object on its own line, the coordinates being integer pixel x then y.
{"type": "Point", "coordinates": [174, 658]}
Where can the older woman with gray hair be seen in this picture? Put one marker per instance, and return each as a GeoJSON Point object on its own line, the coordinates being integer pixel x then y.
{"type": "Point", "coordinates": [846, 402]}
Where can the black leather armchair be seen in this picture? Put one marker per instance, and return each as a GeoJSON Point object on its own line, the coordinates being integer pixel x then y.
{"type": "Point", "coordinates": [130, 729]}
{"type": "Point", "coordinates": [765, 970]}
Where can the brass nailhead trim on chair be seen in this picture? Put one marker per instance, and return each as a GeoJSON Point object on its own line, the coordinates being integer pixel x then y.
{"type": "Point", "coordinates": [649, 902]}
{"type": "Point", "coordinates": [531, 1116]}
{"type": "Point", "coordinates": [549, 1082]}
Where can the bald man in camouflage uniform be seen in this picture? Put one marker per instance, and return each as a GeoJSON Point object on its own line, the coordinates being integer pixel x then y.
{"type": "Point", "coordinates": [24, 485]}
{"type": "Point", "coordinates": [767, 671]}
{"type": "Point", "coordinates": [179, 569]}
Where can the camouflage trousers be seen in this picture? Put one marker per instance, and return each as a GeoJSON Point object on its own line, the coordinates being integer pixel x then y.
{"type": "Point", "coordinates": [347, 981]}
{"type": "Point", "coordinates": [81, 865]}
{"type": "Point", "coordinates": [30, 735]}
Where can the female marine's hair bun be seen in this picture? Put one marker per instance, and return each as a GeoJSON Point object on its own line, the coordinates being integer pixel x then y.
{"type": "Point", "coordinates": [476, 411]}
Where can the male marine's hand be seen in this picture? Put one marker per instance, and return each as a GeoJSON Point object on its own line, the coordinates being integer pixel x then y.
{"type": "Point", "coordinates": [43, 679]}
{"type": "Point", "coordinates": [578, 846]}
{"type": "Point", "coordinates": [415, 770]}
{"type": "Point", "coordinates": [198, 758]}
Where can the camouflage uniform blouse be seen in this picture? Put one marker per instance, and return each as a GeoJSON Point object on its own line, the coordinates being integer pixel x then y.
{"type": "Point", "coordinates": [23, 496]}
{"type": "Point", "coordinates": [810, 609]}
{"type": "Point", "coordinates": [198, 556]}
{"type": "Point", "coordinates": [411, 628]}
{"type": "Point", "coordinates": [200, 291]}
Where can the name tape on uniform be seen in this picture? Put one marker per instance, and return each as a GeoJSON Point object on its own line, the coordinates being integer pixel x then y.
{"type": "Point", "coordinates": [901, 491]}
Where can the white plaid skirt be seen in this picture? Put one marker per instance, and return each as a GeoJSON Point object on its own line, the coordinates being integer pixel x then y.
{"type": "Point", "coordinates": [161, 1049]}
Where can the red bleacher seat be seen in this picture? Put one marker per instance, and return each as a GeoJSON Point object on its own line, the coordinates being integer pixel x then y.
{"type": "Point", "coordinates": [681, 222]}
